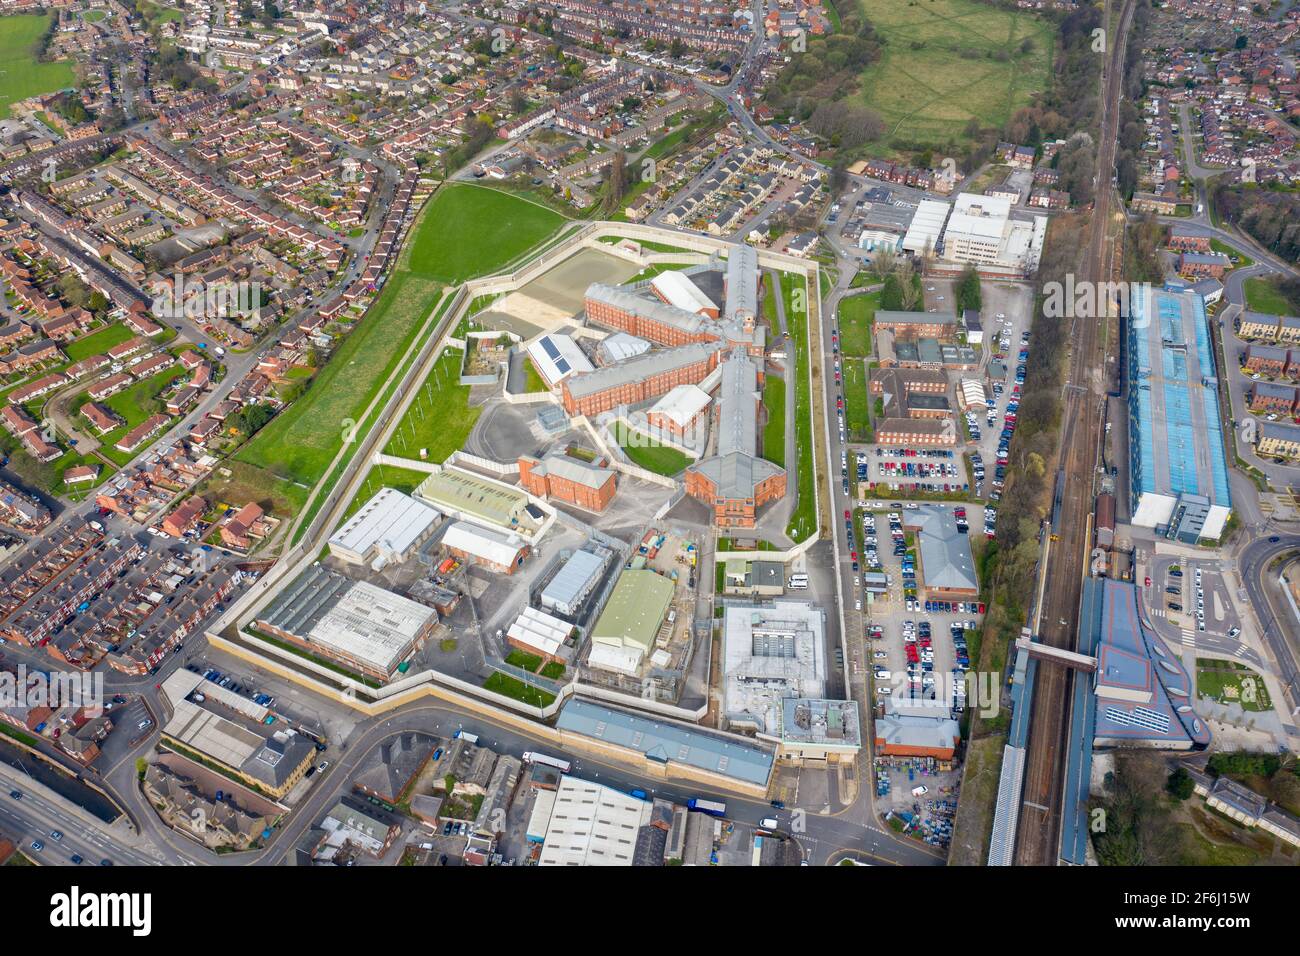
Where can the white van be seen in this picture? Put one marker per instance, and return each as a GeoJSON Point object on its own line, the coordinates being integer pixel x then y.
{"type": "Point", "coordinates": [798, 582]}
{"type": "Point", "coordinates": [769, 823]}
{"type": "Point", "coordinates": [920, 791]}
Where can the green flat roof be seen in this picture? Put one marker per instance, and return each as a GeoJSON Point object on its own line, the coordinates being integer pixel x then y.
{"type": "Point", "coordinates": [635, 609]}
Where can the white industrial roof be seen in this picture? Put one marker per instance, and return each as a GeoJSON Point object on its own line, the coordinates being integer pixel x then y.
{"type": "Point", "coordinates": [372, 625]}
{"type": "Point", "coordinates": [540, 630]}
{"type": "Point", "coordinates": [622, 346]}
{"type": "Point", "coordinates": [390, 522]}
{"type": "Point", "coordinates": [927, 225]}
{"type": "Point", "coordinates": [676, 289]}
{"type": "Point", "coordinates": [492, 546]}
{"type": "Point", "coordinates": [592, 825]}
{"type": "Point", "coordinates": [557, 356]}
{"type": "Point", "coordinates": [611, 657]}
{"type": "Point", "coordinates": [682, 404]}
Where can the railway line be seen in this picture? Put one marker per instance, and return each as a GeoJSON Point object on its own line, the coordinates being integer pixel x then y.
{"type": "Point", "coordinates": [1038, 836]}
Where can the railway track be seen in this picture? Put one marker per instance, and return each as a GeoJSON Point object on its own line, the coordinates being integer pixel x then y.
{"type": "Point", "coordinates": [1038, 837]}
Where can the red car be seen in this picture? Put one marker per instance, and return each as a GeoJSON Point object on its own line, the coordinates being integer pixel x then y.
{"type": "Point", "coordinates": [1148, 582]}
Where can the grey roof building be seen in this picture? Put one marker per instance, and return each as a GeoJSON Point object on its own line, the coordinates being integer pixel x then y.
{"type": "Point", "coordinates": [735, 469]}
{"type": "Point", "coordinates": [946, 562]}
{"type": "Point", "coordinates": [668, 743]}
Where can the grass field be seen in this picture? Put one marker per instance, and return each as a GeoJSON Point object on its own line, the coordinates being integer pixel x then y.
{"type": "Point", "coordinates": [649, 454]}
{"type": "Point", "coordinates": [803, 519]}
{"type": "Point", "coordinates": [21, 75]}
{"type": "Point", "coordinates": [774, 430]}
{"type": "Point", "coordinates": [514, 687]}
{"type": "Point", "coordinates": [300, 442]}
{"type": "Point", "coordinates": [940, 67]}
{"type": "Point", "coordinates": [1263, 295]}
{"type": "Point", "coordinates": [856, 315]}
{"type": "Point", "coordinates": [857, 418]}
{"type": "Point", "coordinates": [101, 341]}
{"type": "Point", "coordinates": [135, 404]}
{"type": "Point", "coordinates": [440, 418]}
{"type": "Point", "coordinates": [469, 231]}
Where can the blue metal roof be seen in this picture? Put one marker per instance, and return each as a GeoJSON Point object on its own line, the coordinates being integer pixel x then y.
{"type": "Point", "coordinates": [668, 742]}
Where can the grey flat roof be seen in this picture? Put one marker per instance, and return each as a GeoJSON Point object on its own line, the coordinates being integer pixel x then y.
{"type": "Point", "coordinates": [946, 560]}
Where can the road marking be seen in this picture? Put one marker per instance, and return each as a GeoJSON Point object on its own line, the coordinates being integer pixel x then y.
{"type": "Point", "coordinates": [1189, 637]}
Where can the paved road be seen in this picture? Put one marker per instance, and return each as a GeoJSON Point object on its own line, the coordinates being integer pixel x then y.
{"type": "Point", "coordinates": [1276, 621]}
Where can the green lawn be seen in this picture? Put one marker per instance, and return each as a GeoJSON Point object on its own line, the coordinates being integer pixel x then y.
{"type": "Point", "coordinates": [1263, 295]}
{"type": "Point", "coordinates": [300, 443]}
{"type": "Point", "coordinates": [857, 418]}
{"type": "Point", "coordinates": [468, 231]}
{"type": "Point", "coordinates": [533, 381]}
{"type": "Point", "coordinates": [803, 519]}
{"type": "Point", "coordinates": [21, 75]}
{"type": "Point", "coordinates": [514, 687]}
{"type": "Point", "coordinates": [528, 662]}
{"type": "Point", "coordinates": [941, 67]}
{"type": "Point", "coordinates": [1243, 260]}
{"type": "Point", "coordinates": [774, 430]}
{"type": "Point", "coordinates": [135, 404]}
{"type": "Point", "coordinates": [1229, 682]}
{"type": "Point", "coordinates": [99, 342]}
{"type": "Point", "coordinates": [440, 419]}
{"type": "Point", "coordinates": [648, 453]}
{"type": "Point", "coordinates": [857, 313]}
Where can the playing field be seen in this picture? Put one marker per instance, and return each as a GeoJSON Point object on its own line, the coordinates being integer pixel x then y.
{"type": "Point", "coordinates": [940, 67]}
{"type": "Point", "coordinates": [21, 75]}
{"type": "Point", "coordinates": [469, 231]}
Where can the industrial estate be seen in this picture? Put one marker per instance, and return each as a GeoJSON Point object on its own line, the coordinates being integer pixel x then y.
{"type": "Point", "coordinates": [561, 433]}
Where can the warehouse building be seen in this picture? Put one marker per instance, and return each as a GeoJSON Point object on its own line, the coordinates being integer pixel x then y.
{"type": "Point", "coordinates": [916, 729]}
{"type": "Point", "coordinates": [923, 232]}
{"type": "Point", "coordinates": [626, 630]}
{"type": "Point", "coordinates": [363, 627]}
{"type": "Point", "coordinates": [391, 526]}
{"type": "Point", "coordinates": [667, 746]}
{"type": "Point", "coordinates": [1179, 472]}
{"type": "Point", "coordinates": [819, 730]}
{"type": "Point", "coordinates": [468, 497]}
{"type": "Point", "coordinates": [499, 551]}
{"type": "Point", "coordinates": [571, 587]}
{"type": "Point", "coordinates": [677, 290]}
{"type": "Point", "coordinates": [588, 824]}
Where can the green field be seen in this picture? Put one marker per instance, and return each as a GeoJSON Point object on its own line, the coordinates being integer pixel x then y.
{"type": "Point", "coordinates": [649, 454]}
{"type": "Point", "coordinates": [21, 75]}
{"type": "Point", "coordinates": [469, 231]}
{"type": "Point", "coordinates": [135, 404]}
{"type": "Point", "coordinates": [300, 443]}
{"type": "Point", "coordinates": [100, 341]}
{"type": "Point", "coordinates": [857, 419]}
{"type": "Point", "coordinates": [1263, 295]}
{"type": "Point", "coordinates": [440, 418]}
{"type": "Point", "coordinates": [774, 430]}
{"type": "Point", "coordinates": [856, 315]}
{"type": "Point", "coordinates": [803, 519]}
{"type": "Point", "coordinates": [940, 67]}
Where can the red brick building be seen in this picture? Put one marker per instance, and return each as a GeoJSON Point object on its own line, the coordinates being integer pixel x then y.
{"type": "Point", "coordinates": [561, 477]}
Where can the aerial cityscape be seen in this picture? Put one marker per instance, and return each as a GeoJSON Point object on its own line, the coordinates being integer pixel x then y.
{"type": "Point", "coordinates": [644, 433]}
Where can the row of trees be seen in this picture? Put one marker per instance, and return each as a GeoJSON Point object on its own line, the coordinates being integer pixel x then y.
{"type": "Point", "coordinates": [1271, 217]}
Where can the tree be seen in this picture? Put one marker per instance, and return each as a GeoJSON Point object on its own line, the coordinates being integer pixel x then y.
{"type": "Point", "coordinates": [883, 261]}
{"type": "Point", "coordinates": [1180, 784]}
